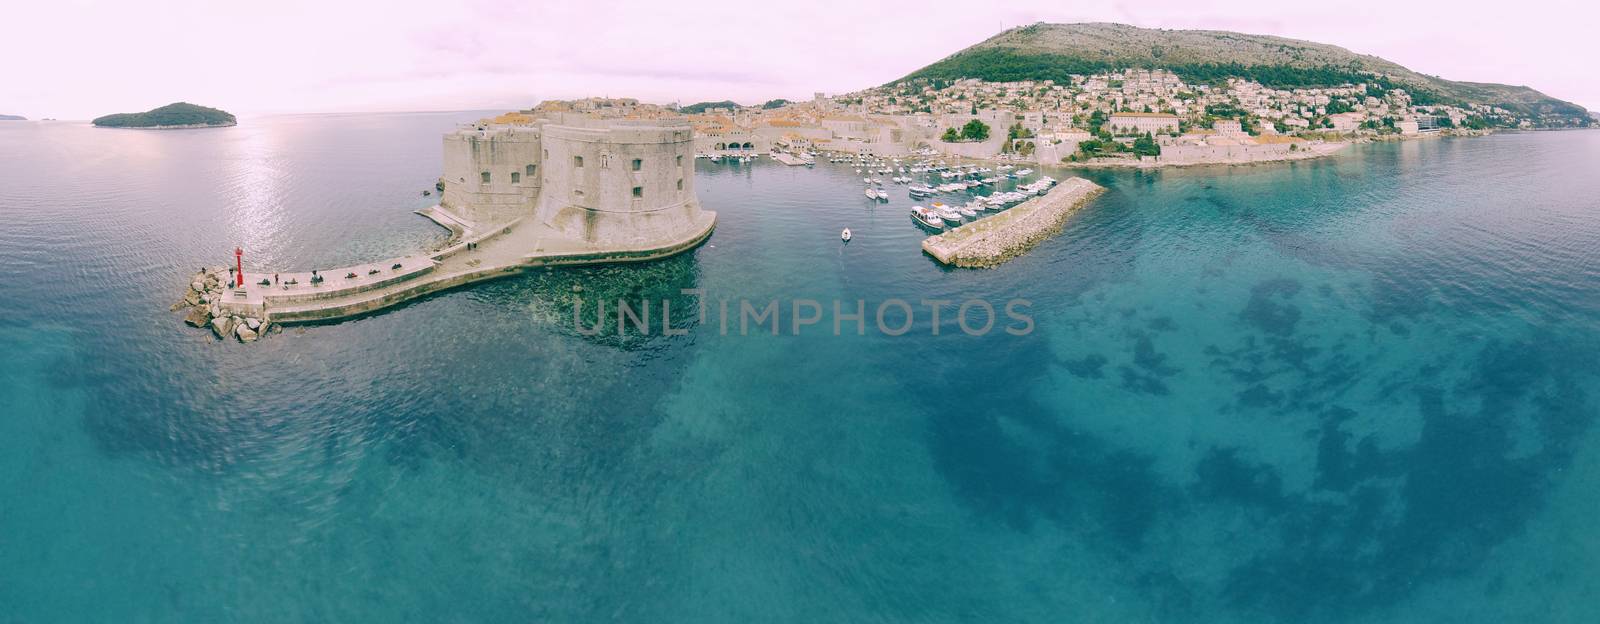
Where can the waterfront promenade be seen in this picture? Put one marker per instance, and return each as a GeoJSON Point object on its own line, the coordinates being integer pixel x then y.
{"type": "Point", "coordinates": [472, 256]}
{"type": "Point", "coordinates": [992, 241]}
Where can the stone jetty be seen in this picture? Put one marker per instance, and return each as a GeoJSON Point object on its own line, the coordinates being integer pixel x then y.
{"type": "Point", "coordinates": [341, 292]}
{"type": "Point", "coordinates": [991, 241]}
{"type": "Point", "coordinates": [203, 300]}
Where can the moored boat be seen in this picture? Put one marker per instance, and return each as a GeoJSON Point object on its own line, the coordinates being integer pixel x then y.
{"type": "Point", "coordinates": [926, 218]}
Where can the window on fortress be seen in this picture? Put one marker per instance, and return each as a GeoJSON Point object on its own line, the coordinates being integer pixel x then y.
{"type": "Point", "coordinates": [680, 181]}
{"type": "Point", "coordinates": [531, 171]}
{"type": "Point", "coordinates": [638, 191]}
{"type": "Point", "coordinates": [485, 177]}
{"type": "Point", "coordinates": [577, 161]}
{"type": "Point", "coordinates": [638, 163]}
{"type": "Point", "coordinates": [516, 178]}
{"type": "Point", "coordinates": [680, 160]}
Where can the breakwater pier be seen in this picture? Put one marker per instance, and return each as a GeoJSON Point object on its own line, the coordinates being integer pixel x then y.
{"type": "Point", "coordinates": [340, 292]}
{"type": "Point", "coordinates": [994, 240]}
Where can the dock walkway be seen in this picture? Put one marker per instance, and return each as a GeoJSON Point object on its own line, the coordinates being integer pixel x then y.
{"type": "Point", "coordinates": [788, 159]}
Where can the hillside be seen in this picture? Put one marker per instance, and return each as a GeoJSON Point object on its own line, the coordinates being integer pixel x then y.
{"type": "Point", "coordinates": [12, 118]}
{"type": "Point", "coordinates": [175, 115]}
{"type": "Point", "coordinates": [1057, 51]}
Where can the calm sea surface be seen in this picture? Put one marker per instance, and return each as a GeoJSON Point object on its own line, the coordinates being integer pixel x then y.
{"type": "Point", "coordinates": [1358, 389]}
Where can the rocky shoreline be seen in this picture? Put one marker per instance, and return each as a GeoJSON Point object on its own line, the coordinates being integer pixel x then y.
{"type": "Point", "coordinates": [176, 127]}
{"type": "Point", "coordinates": [203, 301]}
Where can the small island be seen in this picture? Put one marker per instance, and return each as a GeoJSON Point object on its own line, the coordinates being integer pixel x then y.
{"type": "Point", "coordinates": [12, 118]}
{"type": "Point", "coordinates": [177, 115]}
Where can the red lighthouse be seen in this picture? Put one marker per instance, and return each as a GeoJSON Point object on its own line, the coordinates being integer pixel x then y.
{"type": "Point", "coordinates": [238, 259]}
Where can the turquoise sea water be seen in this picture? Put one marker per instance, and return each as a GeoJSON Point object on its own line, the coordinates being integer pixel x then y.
{"type": "Point", "coordinates": [1358, 389]}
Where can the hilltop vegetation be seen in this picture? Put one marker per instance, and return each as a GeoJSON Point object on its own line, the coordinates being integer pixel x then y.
{"type": "Point", "coordinates": [12, 118]}
{"type": "Point", "coordinates": [179, 114]}
{"type": "Point", "coordinates": [1058, 51]}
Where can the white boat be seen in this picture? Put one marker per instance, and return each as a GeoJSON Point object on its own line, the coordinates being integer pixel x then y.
{"type": "Point", "coordinates": [1023, 172]}
{"type": "Point", "coordinates": [926, 218]}
{"type": "Point", "coordinates": [845, 235]}
{"type": "Point", "coordinates": [967, 212]}
{"type": "Point", "coordinates": [872, 193]}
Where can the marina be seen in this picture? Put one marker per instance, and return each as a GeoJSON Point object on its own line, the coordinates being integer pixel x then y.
{"type": "Point", "coordinates": [992, 241]}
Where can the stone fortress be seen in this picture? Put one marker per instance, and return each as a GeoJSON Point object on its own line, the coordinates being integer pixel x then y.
{"type": "Point", "coordinates": [567, 183]}
{"type": "Point", "coordinates": [591, 179]}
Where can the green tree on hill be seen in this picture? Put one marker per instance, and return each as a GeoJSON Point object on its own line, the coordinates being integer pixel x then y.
{"type": "Point", "coordinates": [1096, 119]}
{"type": "Point", "coordinates": [1146, 146]}
{"type": "Point", "coordinates": [975, 131]}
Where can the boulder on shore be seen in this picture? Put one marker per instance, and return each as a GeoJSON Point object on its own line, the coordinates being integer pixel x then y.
{"type": "Point", "coordinates": [253, 322]}
{"type": "Point", "coordinates": [245, 334]}
{"type": "Point", "coordinates": [198, 316]}
{"type": "Point", "coordinates": [222, 326]}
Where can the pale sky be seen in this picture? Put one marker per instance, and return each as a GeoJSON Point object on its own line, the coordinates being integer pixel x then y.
{"type": "Point", "coordinates": [75, 59]}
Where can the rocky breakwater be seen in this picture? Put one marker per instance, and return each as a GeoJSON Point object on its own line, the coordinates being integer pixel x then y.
{"type": "Point", "coordinates": [203, 299]}
{"type": "Point", "coordinates": [992, 241]}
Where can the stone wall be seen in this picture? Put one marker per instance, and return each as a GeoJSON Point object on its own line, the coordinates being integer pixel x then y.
{"type": "Point", "coordinates": [1248, 152]}
{"type": "Point", "coordinates": [507, 155]}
